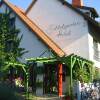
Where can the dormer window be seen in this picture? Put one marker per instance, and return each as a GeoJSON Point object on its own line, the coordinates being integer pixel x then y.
{"type": "Point", "coordinates": [88, 13]}
{"type": "Point", "coordinates": [91, 12]}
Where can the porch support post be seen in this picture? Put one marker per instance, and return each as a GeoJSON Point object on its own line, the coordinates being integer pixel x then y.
{"type": "Point", "coordinates": [72, 63]}
{"type": "Point", "coordinates": [71, 77]}
{"type": "Point", "coordinates": [60, 79]}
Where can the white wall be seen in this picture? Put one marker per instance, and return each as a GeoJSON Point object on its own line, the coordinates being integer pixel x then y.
{"type": "Point", "coordinates": [66, 27]}
{"type": "Point", "coordinates": [91, 51]}
{"type": "Point", "coordinates": [30, 41]}
{"type": "Point", "coordinates": [79, 47]}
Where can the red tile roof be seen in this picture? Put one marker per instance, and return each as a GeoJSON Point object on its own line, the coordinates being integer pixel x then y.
{"type": "Point", "coordinates": [52, 45]}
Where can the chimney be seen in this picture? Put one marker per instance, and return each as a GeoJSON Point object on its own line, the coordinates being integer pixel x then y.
{"type": "Point", "coordinates": [77, 3]}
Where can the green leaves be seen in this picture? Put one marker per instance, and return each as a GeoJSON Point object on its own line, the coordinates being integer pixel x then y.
{"type": "Point", "coordinates": [7, 93]}
{"type": "Point", "coordinates": [82, 74]}
{"type": "Point", "coordinates": [10, 50]}
{"type": "Point", "coordinates": [96, 73]}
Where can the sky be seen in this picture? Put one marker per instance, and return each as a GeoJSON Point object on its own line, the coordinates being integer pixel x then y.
{"type": "Point", "coordinates": [91, 3]}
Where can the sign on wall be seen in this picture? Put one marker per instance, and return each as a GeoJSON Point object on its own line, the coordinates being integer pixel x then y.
{"type": "Point", "coordinates": [64, 29]}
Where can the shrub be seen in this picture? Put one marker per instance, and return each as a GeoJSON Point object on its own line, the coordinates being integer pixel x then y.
{"type": "Point", "coordinates": [7, 93]}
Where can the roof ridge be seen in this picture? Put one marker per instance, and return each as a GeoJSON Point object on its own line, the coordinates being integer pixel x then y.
{"type": "Point", "coordinates": [40, 33]}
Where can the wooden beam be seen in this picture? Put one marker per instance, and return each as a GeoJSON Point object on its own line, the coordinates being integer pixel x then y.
{"type": "Point", "coordinates": [60, 79]}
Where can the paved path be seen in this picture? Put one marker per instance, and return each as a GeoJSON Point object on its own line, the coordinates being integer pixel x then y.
{"type": "Point", "coordinates": [46, 97]}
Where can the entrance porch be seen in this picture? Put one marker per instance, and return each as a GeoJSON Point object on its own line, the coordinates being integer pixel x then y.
{"type": "Point", "coordinates": [46, 78]}
{"type": "Point", "coordinates": [51, 73]}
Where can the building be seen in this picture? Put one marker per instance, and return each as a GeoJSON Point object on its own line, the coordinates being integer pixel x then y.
{"type": "Point", "coordinates": [68, 26]}
{"type": "Point", "coordinates": [55, 26]}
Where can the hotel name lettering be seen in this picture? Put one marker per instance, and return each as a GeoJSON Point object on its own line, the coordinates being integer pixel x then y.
{"type": "Point", "coordinates": [65, 30]}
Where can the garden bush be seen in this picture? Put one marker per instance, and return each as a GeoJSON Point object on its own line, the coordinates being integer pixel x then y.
{"type": "Point", "coordinates": [7, 93]}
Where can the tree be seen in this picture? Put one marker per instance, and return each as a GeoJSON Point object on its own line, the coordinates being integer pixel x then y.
{"type": "Point", "coordinates": [10, 50]}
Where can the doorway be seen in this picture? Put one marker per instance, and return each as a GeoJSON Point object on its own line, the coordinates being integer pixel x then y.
{"type": "Point", "coordinates": [50, 83]}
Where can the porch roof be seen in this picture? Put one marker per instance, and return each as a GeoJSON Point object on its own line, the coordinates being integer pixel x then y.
{"type": "Point", "coordinates": [64, 59]}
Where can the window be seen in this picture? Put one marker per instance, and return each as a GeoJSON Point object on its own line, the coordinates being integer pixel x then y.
{"type": "Point", "coordinates": [12, 23]}
{"type": "Point", "coordinates": [96, 46]}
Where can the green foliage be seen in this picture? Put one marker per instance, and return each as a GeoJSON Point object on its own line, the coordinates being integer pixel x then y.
{"type": "Point", "coordinates": [7, 93]}
{"type": "Point", "coordinates": [97, 73]}
{"type": "Point", "coordinates": [82, 74]}
{"type": "Point", "coordinates": [10, 49]}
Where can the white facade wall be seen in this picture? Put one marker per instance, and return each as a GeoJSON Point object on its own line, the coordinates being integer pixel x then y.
{"type": "Point", "coordinates": [91, 51]}
{"type": "Point", "coordinates": [66, 27]}
{"type": "Point", "coordinates": [79, 47]}
{"type": "Point", "coordinates": [30, 41]}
